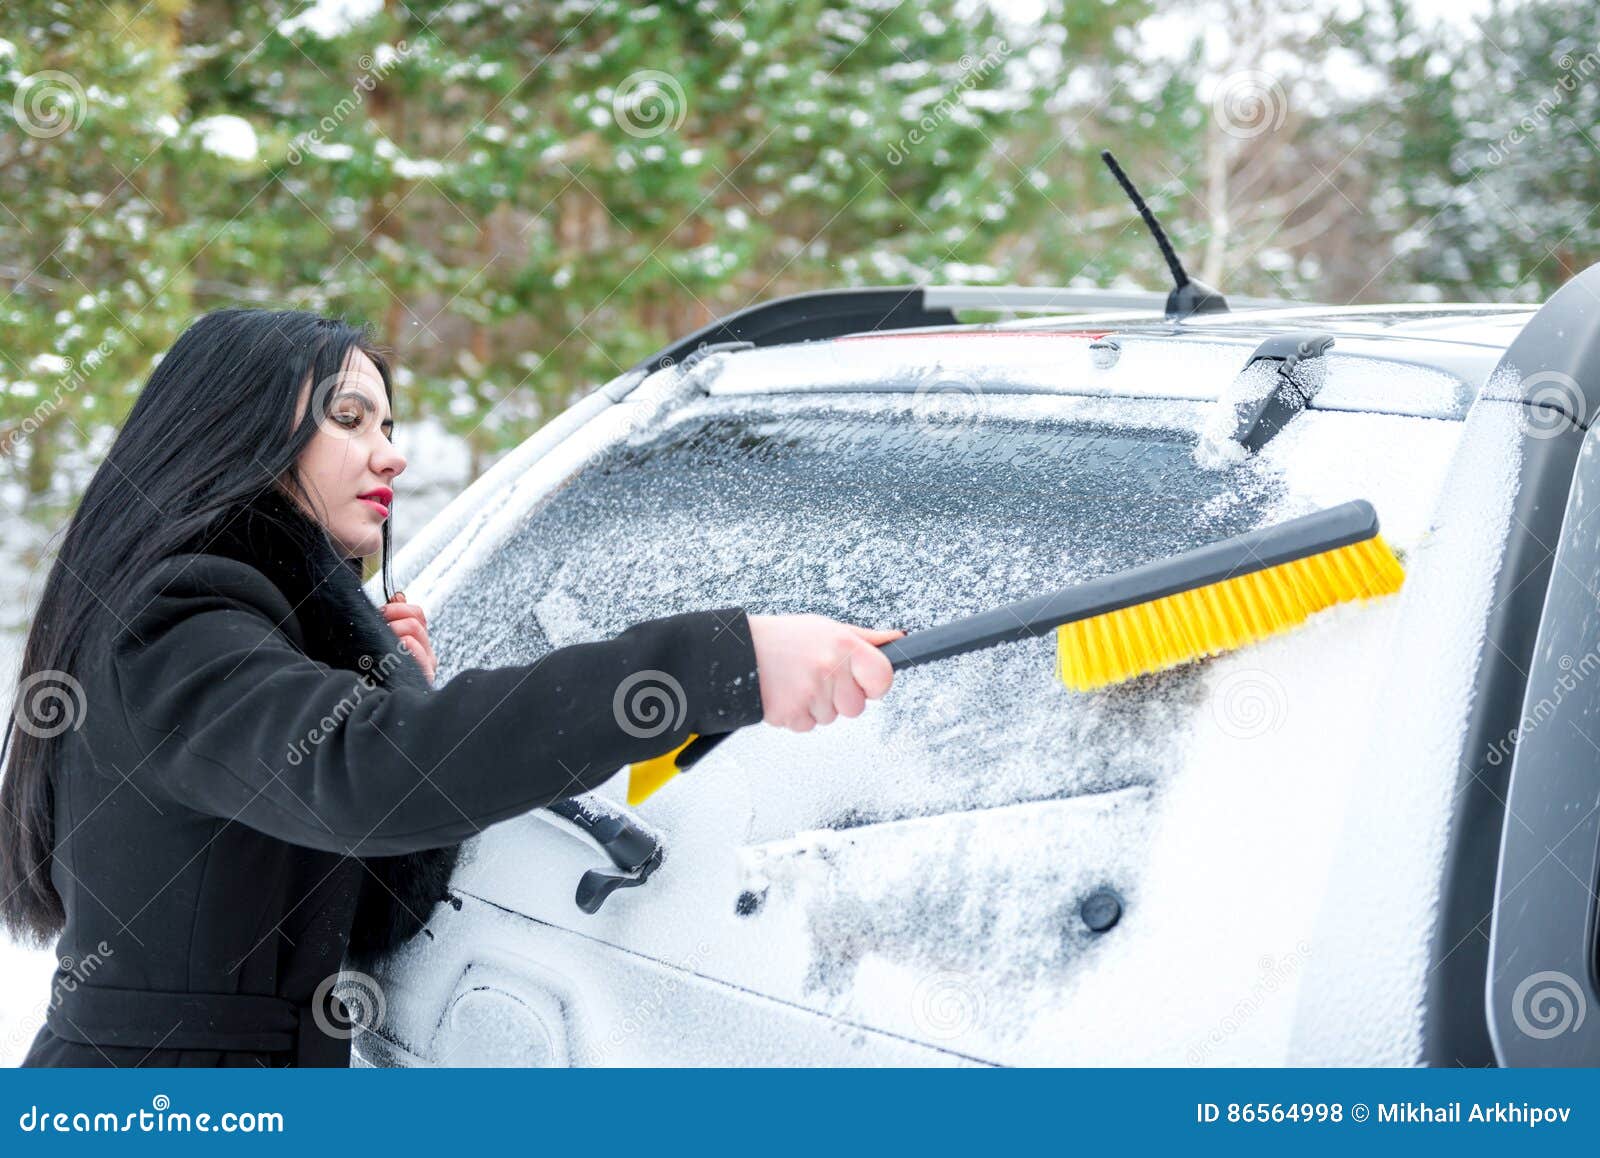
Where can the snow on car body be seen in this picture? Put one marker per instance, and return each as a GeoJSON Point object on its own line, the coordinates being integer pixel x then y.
{"type": "Point", "coordinates": [1241, 861]}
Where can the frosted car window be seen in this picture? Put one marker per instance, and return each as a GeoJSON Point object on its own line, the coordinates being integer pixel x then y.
{"type": "Point", "coordinates": [900, 523]}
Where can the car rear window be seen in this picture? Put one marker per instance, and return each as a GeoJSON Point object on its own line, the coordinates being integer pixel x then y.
{"type": "Point", "coordinates": [895, 521]}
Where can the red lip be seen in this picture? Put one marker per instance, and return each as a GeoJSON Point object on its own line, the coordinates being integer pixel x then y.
{"type": "Point", "coordinates": [379, 497]}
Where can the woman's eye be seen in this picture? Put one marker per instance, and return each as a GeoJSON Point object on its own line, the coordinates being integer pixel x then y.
{"type": "Point", "coordinates": [348, 420]}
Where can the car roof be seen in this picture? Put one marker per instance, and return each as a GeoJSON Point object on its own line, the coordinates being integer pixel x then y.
{"type": "Point", "coordinates": [1462, 340]}
{"type": "Point", "coordinates": [1471, 324]}
{"type": "Point", "coordinates": [1454, 338]}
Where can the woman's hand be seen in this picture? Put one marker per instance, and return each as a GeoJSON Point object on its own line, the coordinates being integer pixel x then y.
{"type": "Point", "coordinates": [410, 623]}
{"type": "Point", "coordinates": [813, 669]}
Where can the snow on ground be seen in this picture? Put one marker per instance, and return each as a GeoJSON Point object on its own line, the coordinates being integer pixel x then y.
{"type": "Point", "coordinates": [436, 471]}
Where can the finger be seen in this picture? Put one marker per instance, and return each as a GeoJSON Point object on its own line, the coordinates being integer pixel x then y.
{"type": "Point", "coordinates": [823, 711]}
{"type": "Point", "coordinates": [872, 671]}
{"type": "Point", "coordinates": [802, 722]}
{"type": "Point", "coordinates": [876, 635]}
{"type": "Point", "coordinates": [418, 649]}
{"type": "Point", "coordinates": [405, 627]}
{"type": "Point", "coordinates": [391, 610]}
{"type": "Point", "coordinates": [848, 699]}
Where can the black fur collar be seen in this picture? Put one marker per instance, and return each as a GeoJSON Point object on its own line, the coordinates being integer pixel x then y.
{"type": "Point", "coordinates": [341, 627]}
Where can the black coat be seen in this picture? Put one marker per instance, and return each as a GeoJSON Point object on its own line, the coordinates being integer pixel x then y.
{"type": "Point", "coordinates": [263, 779]}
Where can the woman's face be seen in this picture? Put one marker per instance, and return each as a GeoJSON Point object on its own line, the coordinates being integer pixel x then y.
{"type": "Point", "coordinates": [349, 466]}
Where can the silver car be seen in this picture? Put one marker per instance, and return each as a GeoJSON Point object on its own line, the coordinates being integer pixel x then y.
{"type": "Point", "coordinates": [1285, 855]}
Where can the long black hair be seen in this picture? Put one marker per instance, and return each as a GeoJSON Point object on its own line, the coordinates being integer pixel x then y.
{"type": "Point", "coordinates": [212, 430]}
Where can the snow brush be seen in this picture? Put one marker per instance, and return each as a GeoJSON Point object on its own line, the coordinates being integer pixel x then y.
{"type": "Point", "coordinates": [1207, 601]}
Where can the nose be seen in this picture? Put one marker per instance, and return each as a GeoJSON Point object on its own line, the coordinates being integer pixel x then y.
{"type": "Point", "coordinates": [387, 460]}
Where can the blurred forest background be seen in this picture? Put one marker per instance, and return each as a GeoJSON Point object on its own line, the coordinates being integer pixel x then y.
{"type": "Point", "coordinates": [525, 198]}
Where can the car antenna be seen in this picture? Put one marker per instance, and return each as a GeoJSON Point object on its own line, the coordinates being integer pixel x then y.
{"type": "Point", "coordinates": [1188, 296]}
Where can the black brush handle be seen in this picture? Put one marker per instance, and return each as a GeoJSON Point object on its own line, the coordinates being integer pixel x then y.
{"type": "Point", "coordinates": [1252, 551]}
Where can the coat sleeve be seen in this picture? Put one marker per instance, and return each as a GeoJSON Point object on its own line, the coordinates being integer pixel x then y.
{"type": "Point", "coordinates": [230, 718]}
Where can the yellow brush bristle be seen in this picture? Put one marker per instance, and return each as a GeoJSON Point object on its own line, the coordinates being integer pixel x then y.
{"type": "Point", "coordinates": [1163, 633]}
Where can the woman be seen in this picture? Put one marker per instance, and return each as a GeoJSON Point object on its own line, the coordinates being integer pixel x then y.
{"type": "Point", "coordinates": [227, 770]}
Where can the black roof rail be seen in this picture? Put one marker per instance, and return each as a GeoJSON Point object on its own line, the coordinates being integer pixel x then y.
{"type": "Point", "coordinates": [807, 316]}
{"type": "Point", "coordinates": [834, 313]}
